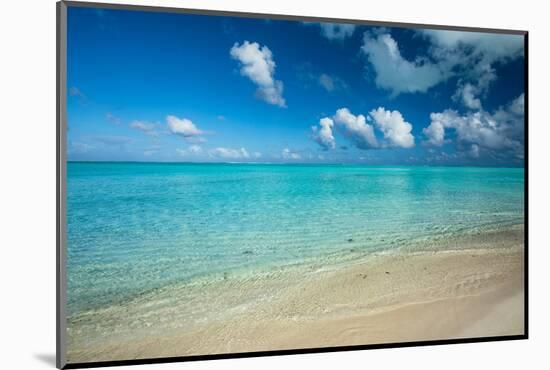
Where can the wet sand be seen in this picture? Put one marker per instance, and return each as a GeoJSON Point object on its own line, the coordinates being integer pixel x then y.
{"type": "Point", "coordinates": [469, 286]}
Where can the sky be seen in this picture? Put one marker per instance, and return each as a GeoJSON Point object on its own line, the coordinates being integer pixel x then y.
{"type": "Point", "coordinates": [165, 87]}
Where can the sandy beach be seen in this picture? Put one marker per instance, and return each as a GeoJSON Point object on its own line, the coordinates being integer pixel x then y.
{"type": "Point", "coordinates": [468, 286]}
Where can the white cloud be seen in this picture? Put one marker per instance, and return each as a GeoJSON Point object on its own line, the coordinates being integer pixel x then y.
{"type": "Point", "coordinates": [327, 82]}
{"type": "Point", "coordinates": [435, 133]}
{"type": "Point", "coordinates": [142, 125]}
{"type": "Point", "coordinates": [258, 65]}
{"type": "Point", "coordinates": [394, 127]}
{"type": "Point", "coordinates": [324, 135]}
{"type": "Point", "coordinates": [444, 157]}
{"type": "Point", "coordinates": [257, 155]}
{"type": "Point", "coordinates": [289, 154]}
{"type": "Point", "coordinates": [356, 128]}
{"type": "Point", "coordinates": [396, 131]}
{"type": "Point", "coordinates": [395, 73]}
{"type": "Point", "coordinates": [78, 147]}
{"type": "Point", "coordinates": [471, 55]}
{"type": "Point", "coordinates": [331, 83]}
{"type": "Point", "coordinates": [517, 106]}
{"type": "Point", "coordinates": [474, 151]}
{"type": "Point", "coordinates": [229, 153]}
{"type": "Point", "coordinates": [149, 153]}
{"type": "Point", "coordinates": [467, 94]}
{"type": "Point", "coordinates": [185, 128]}
{"type": "Point", "coordinates": [337, 31]}
{"type": "Point", "coordinates": [477, 127]}
{"type": "Point", "coordinates": [489, 46]}
{"type": "Point", "coordinates": [191, 150]}
{"type": "Point", "coordinates": [502, 130]}
{"type": "Point", "coordinates": [146, 127]}
{"type": "Point", "coordinates": [195, 149]}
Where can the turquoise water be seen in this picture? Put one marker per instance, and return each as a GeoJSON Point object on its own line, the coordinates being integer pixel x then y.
{"type": "Point", "coordinates": [133, 227]}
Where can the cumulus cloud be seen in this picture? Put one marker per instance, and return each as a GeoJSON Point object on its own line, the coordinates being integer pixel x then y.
{"type": "Point", "coordinates": [396, 130]}
{"type": "Point", "coordinates": [337, 31]}
{"type": "Point", "coordinates": [229, 153]}
{"type": "Point", "coordinates": [470, 55]}
{"type": "Point", "coordinates": [467, 94]}
{"type": "Point", "coordinates": [511, 118]}
{"type": "Point", "coordinates": [501, 130]}
{"type": "Point", "coordinates": [185, 128]}
{"type": "Point", "coordinates": [477, 127]}
{"type": "Point", "coordinates": [474, 151]}
{"type": "Point", "coordinates": [473, 54]}
{"type": "Point", "coordinates": [435, 133]}
{"type": "Point", "coordinates": [289, 154]}
{"type": "Point", "coordinates": [323, 135]}
{"type": "Point", "coordinates": [517, 106]}
{"type": "Point", "coordinates": [395, 73]}
{"type": "Point", "coordinates": [356, 128]}
{"type": "Point", "coordinates": [487, 46]}
{"type": "Point", "coordinates": [258, 65]}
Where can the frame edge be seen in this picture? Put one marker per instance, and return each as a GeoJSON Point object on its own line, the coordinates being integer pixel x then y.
{"type": "Point", "coordinates": [61, 125]}
{"type": "Point", "coordinates": [287, 17]}
{"type": "Point", "coordinates": [526, 186]}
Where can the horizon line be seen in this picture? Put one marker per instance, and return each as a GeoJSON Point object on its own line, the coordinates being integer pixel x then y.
{"type": "Point", "coordinates": [296, 164]}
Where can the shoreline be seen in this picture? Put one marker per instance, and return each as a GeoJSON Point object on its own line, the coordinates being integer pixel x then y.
{"type": "Point", "coordinates": [475, 289]}
{"type": "Point", "coordinates": [347, 254]}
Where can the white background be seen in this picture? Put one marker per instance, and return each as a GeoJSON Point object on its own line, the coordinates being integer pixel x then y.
{"type": "Point", "coordinates": [27, 194]}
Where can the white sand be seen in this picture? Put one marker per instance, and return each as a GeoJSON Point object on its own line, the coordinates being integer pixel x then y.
{"type": "Point", "coordinates": [473, 291]}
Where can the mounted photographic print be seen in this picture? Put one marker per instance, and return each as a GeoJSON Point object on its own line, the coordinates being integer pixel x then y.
{"type": "Point", "coordinates": [234, 184]}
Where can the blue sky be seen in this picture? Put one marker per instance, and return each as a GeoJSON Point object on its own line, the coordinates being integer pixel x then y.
{"type": "Point", "coordinates": [176, 87]}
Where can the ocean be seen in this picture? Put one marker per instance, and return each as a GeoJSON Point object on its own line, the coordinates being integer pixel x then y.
{"type": "Point", "coordinates": [136, 227]}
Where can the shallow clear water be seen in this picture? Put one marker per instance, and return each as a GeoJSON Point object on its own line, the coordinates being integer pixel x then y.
{"type": "Point", "coordinates": [133, 227]}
